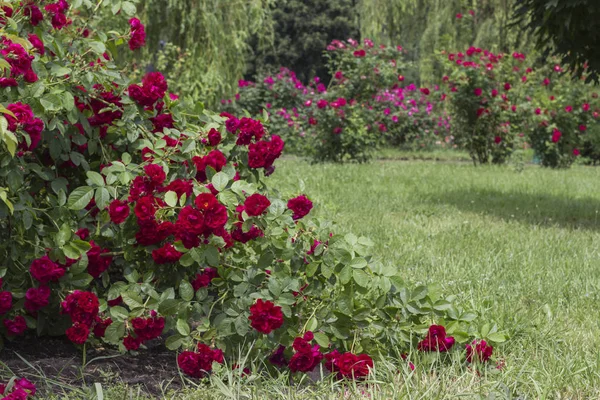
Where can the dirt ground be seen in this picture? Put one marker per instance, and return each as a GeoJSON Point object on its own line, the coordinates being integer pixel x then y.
{"type": "Point", "coordinates": [56, 364]}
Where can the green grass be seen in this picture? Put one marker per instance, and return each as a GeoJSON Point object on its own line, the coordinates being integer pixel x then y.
{"type": "Point", "coordinates": [520, 248]}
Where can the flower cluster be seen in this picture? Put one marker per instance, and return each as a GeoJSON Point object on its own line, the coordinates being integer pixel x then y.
{"type": "Point", "coordinates": [18, 389]}
{"type": "Point", "coordinates": [349, 365]}
{"type": "Point", "coordinates": [199, 363]}
{"type": "Point", "coordinates": [82, 308]}
{"type": "Point", "coordinates": [144, 329]}
{"type": "Point", "coordinates": [23, 120]}
{"type": "Point", "coordinates": [436, 340]}
{"type": "Point", "coordinates": [265, 316]}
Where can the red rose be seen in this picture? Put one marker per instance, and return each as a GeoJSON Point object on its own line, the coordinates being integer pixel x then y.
{"type": "Point", "coordinates": [436, 340]}
{"type": "Point", "coordinates": [37, 298]}
{"type": "Point", "coordinates": [37, 43]}
{"type": "Point", "coordinates": [215, 159]}
{"type": "Point", "coordinates": [145, 208]}
{"type": "Point", "coordinates": [5, 302]}
{"type": "Point", "coordinates": [278, 358]}
{"type": "Point", "coordinates": [188, 362]}
{"type": "Point", "coordinates": [481, 350]}
{"type": "Point", "coordinates": [181, 187]}
{"type": "Point", "coordinates": [81, 306]}
{"type": "Point", "coordinates": [214, 137]}
{"type": "Point", "coordinates": [556, 135]}
{"type": "Point", "coordinates": [154, 86]}
{"type": "Point", "coordinates": [256, 204]}
{"type": "Point", "coordinates": [156, 174]}
{"type": "Point", "coordinates": [265, 316]}
{"type": "Point", "coordinates": [300, 206]}
{"type": "Point", "coordinates": [204, 279]}
{"type": "Point", "coordinates": [118, 211]}
{"type": "Point", "coordinates": [249, 129]}
{"type": "Point", "coordinates": [83, 233]}
{"type": "Point", "coordinates": [100, 326]}
{"type": "Point", "coordinates": [359, 53]}
{"type": "Point", "coordinates": [166, 254]}
{"type": "Point", "coordinates": [97, 262]}
{"type": "Point", "coordinates": [16, 326]}
{"type": "Point", "coordinates": [302, 361]}
{"type": "Point", "coordinates": [131, 343]}
{"type": "Point", "coordinates": [78, 333]}
{"type": "Point", "coordinates": [44, 270]}
{"type": "Point", "coordinates": [151, 232]}
{"type": "Point", "coordinates": [138, 34]}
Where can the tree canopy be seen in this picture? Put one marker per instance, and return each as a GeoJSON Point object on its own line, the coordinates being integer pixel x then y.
{"type": "Point", "coordinates": [566, 28]}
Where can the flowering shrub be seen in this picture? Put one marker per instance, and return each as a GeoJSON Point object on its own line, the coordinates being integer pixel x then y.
{"type": "Point", "coordinates": [495, 99]}
{"type": "Point", "coordinates": [363, 106]}
{"type": "Point", "coordinates": [565, 117]}
{"type": "Point", "coordinates": [486, 102]}
{"type": "Point", "coordinates": [128, 216]}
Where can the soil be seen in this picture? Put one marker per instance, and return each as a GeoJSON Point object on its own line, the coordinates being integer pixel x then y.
{"type": "Point", "coordinates": [56, 359]}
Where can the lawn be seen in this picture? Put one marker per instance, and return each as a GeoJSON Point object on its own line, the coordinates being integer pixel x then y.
{"type": "Point", "coordinates": [521, 248]}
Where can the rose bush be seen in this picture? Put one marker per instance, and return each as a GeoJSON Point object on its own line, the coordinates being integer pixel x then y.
{"type": "Point", "coordinates": [363, 106]}
{"type": "Point", "coordinates": [496, 99]}
{"type": "Point", "coordinates": [128, 215]}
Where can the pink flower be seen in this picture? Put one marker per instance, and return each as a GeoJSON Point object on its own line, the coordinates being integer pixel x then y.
{"type": "Point", "coordinates": [360, 53]}
{"type": "Point", "coordinates": [582, 128]}
{"type": "Point", "coordinates": [478, 92]}
{"type": "Point", "coordinates": [459, 16]}
{"type": "Point", "coordinates": [556, 134]}
{"type": "Point", "coordinates": [138, 34]}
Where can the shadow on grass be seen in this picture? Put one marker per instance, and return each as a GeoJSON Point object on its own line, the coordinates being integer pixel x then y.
{"type": "Point", "coordinates": [530, 208]}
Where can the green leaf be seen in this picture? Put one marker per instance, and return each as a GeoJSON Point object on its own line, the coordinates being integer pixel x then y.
{"type": "Point", "coordinates": [212, 256]}
{"type": "Point", "coordinates": [186, 291]}
{"type": "Point", "coordinates": [80, 198]}
{"type": "Point", "coordinates": [321, 339]}
{"type": "Point", "coordinates": [115, 332]}
{"type": "Point", "coordinates": [132, 300]}
{"type": "Point", "coordinates": [312, 324]}
{"type": "Point", "coordinates": [345, 274]}
{"type": "Point", "coordinates": [277, 207]}
{"type": "Point", "coordinates": [76, 248]}
{"type": "Point", "coordinates": [63, 235]}
{"type": "Point", "coordinates": [102, 198]}
{"type": "Point", "coordinates": [95, 178]}
{"type": "Point", "coordinates": [358, 262]}
{"type": "Point", "coordinates": [51, 102]}
{"type": "Point", "coordinates": [58, 70]}
{"type": "Point", "coordinates": [361, 278]}
{"type": "Point", "coordinates": [265, 260]}
{"type": "Point", "coordinates": [171, 198]}
{"type": "Point", "coordinates": [169, 306]}
{"type": "Point", "coordinates": [119, 313]}
{"type": "Point", "coordinates": [81, 280]}
{"type": "Point", "coordinates": [183, 327]}
{"type": "Point", "coordinates": [97, 47]}
{"type": "Point", "coordinates": [174, 342]}
{"type": "Point", "coordinates": [497, 337]}
{"type": "Point", "coordinates": [220, 181]}
{"type": "Point", "coordinates": [129, 8]}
